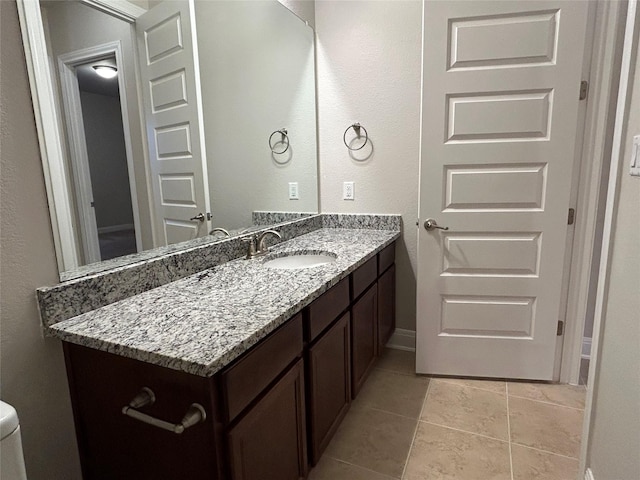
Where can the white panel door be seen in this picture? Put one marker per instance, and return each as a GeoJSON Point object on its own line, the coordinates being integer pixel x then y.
{"type": "Point", "coordinates": [172, 107]}
{"type": "Point", "coordinates": [500, 114]}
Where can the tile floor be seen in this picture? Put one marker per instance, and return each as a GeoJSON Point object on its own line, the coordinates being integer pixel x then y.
{"type": "Point", "coordinates": [411, 427]}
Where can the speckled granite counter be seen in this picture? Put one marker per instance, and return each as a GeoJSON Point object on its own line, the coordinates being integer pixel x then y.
{"type": "Point", "coordinates": [201, 323]}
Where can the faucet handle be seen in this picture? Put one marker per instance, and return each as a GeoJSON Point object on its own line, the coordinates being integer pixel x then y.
{"type": "Point", "coordinates": [252, 249]}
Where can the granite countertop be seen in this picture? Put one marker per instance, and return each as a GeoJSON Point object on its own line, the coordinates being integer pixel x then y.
{"type": "Point", "coordinates": [201, 323]}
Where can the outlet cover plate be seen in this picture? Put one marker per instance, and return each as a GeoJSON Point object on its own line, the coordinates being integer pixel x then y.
{"type": "Point", "coordinates": [348, 191]}
{"type": "Point", "coordinates": [293, 191]}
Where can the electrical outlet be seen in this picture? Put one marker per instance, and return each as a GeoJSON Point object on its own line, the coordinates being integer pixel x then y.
{"type": "Point", "coordinates": [348, 191]}
{"type": "Point", "coordinates": [293, 191]}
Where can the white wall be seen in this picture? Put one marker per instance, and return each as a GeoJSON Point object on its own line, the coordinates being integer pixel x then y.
{"type": "Point", "coordinates": [614, 441]}
{"type": "Point", "coordinates": [32, 368]}
{"type": "Point", "coordinates": [257, 71]}
{"type": "Point", "coordinates": [369, 58]}
{"type": "Point", "coordinates": [91, 28]}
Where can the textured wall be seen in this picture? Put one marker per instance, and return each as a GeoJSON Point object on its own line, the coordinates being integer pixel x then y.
{"type": "Point", "coordinates": [614, 442]}
{"type": "Point", "coordinates": [32, 372]}
{"type": "Point", "coordinates": [369, 58]}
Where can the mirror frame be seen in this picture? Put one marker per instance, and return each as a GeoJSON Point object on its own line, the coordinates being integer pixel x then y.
{"type": "Point", "coordinates": [49, 122]}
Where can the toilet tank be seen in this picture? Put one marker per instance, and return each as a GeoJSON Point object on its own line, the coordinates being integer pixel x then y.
{"type": "Point", "coordinates": [11, 460]}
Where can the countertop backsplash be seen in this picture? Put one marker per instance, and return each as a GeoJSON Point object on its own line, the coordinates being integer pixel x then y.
{"type": "Point", "coordinates": [81, 295]}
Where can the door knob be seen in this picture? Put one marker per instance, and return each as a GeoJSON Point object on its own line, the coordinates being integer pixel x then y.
{"type": "Point", "coordinates": [199, 217]}
{"type": "Point", "coordinates": [431, 224]}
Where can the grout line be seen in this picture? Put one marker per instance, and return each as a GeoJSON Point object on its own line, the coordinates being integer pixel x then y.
{"type": "Point", "coordinates": [548, 403]}
{"type": "Point", "coordinates": [509, 431]}
{"type": "Point", "coordinates": [360, 467]}
{"type": "Point", "coordinates": [415, 432]}
{"type": "Point", "coordinates": [545, 451]}
{"type": "Point", "coordinates": [465, 431]}
{"type": "Point", "coordinates": [385, 411]}
{"type": "Point", "coordinates": [406, 374]}
{"type": "Point", "coordinates": [452, 381]}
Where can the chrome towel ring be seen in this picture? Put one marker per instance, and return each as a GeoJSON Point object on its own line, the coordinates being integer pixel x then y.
{"type": "Point", "coordinates": [283, 132]}
{"type": "Point", "coordinates": [356, 128]}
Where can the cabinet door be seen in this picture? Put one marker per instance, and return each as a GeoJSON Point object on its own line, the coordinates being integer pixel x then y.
{"type": "Point", "coordinates": [329, 385]}
{"type": "Point", "coordinates": [115, 446]}
{"type": "Point", "coordinates": [364, 339]}
{"type": "Point", "coordinates": [269, 442]}
{"type": "Point", "coordinates": [386, 306]}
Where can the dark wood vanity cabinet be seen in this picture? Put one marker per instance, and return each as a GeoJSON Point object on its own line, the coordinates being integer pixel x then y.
{"type": "Point", "coordinates": [386, 306]}
{"type": "Point", "coordinates": [269, 415]}
{"type": "Point", "coordinates": [364, 341]}
{"type": "Point", "coordinates": [270, 440]}
{"type": "Point", "coordinates": [115, 446]}
{"type": "Point", "coordinates": [328, 385]}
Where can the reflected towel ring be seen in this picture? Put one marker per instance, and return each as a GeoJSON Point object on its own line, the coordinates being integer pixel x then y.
{"type": "Point", "coordinates": [356, 128]}
{"type": "Point", "coordinates": [283, 132]}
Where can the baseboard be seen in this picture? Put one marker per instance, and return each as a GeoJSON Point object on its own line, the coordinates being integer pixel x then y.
{"type": "Point", "coordinates": [588, 475]}
{"type": "Point", "coordinates": [116, 228]}
{"type": "Point", "coordinates": [586, 348]}
{"type": "Point", "coordinates": [403, 340]}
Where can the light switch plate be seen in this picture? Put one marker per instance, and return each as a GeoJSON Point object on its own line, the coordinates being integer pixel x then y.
{"type": "Point", "coordinates": [293, 191]}
{"type": "Point", "coordinates": [635, 157]}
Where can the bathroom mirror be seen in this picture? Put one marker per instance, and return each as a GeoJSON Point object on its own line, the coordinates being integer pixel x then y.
{"type": "Point", "coordinates": [160, 121]}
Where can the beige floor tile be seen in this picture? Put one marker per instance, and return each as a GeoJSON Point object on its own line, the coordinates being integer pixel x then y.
{"type": "Point", "coordinates": [393, 392]}
{"type": "Point", "coordinates": [531, 464]}
{"type": "Point", "coordinates": [546, 427]}
{"type": "Point", "coordinates": [490, 385]}
{"type": "Point", "coordinates": [331, 469]}
{"type": "Point", "coordinates": [372, 439]}
{"type": "Point", "coordinates": [567, 395]}
{"type": "Point", "coordinates": [445, 454]}
{"type": "Point", "coordinates": [465, 408]}
{"type": "Point", "coordinates": [397, 361]}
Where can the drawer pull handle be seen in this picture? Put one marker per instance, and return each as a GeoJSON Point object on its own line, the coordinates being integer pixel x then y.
{"type": "Point", "coordinates": [195, 414]}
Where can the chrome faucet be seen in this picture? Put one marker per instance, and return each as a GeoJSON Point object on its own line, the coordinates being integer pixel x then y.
{"type": "Point", "coordinates": [220, 229]}
{"type": "Point", "coordinates": [257, 243]}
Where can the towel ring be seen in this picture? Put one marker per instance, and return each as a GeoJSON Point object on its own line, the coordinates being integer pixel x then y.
{"type": "Point", "coordinates": [356, 128]}
{"type": "Point", "coordinates": [283, 132]}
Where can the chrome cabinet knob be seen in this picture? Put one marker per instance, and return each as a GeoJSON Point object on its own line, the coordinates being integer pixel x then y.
{"type": "Point", "coordinates": [431, 224]}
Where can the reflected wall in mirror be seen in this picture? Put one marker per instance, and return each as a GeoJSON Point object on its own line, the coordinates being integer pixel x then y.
{"type": "Point", "coordinates": [177, 141]}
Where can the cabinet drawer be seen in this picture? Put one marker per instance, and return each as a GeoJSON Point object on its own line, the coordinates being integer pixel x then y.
{"type": "Point", "coordinates": [256, 369]}
{"type": "Point", "coordinates": [386, 258]}
{"type": "Point", "coordinates": [326, 309]}
{"type": "Point", "coordinates": [364, 276]}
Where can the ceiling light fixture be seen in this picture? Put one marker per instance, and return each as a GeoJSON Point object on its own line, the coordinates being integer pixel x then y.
{"type": "Point", "coordinates": [106, 71]}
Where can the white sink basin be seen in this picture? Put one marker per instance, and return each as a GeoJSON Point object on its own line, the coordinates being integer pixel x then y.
{"type": "Point", "coordinates": [295, 261]}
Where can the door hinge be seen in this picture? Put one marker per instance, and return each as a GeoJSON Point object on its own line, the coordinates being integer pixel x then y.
{"type": "Point", "coordinates": [572, 216]}
{"type": "Point", "coordinates": [560, 330]}
{"type": "Point", "coordinates": [584, 89]}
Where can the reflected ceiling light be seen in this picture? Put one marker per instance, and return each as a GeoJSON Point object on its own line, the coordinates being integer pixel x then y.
{"type": "Point", "coordinates": [106, 71]}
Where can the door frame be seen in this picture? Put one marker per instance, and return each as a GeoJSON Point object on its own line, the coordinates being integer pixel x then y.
{"type": "Point", "coordinates": [617, 168]}
{"type": "Point", "coordinates": [49, 123]}
{"type": "Point", "coordinates": [604, 76]}
{"type": "Point", "coordinates": [78, 156]}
